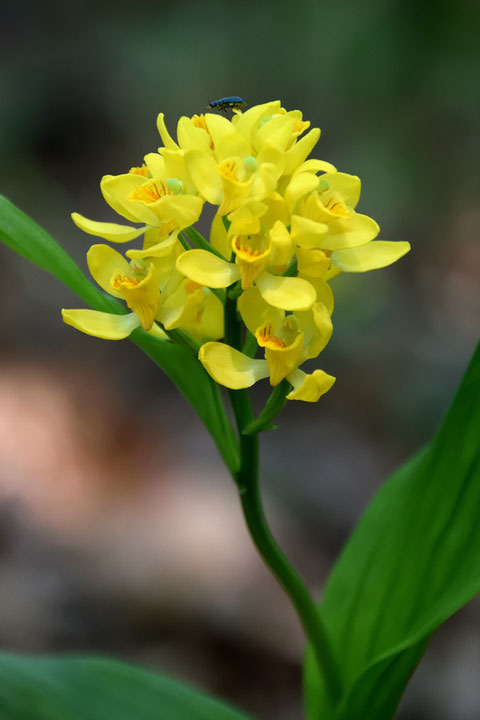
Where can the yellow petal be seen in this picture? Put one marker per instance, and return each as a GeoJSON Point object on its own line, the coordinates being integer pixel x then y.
{"type": "Point", "coordinates": [161, 249]}
{"type": "Point", "coordinates": [299, 186]}
{"type": "Point", "coordinates": [234, 191]}
{"type": "Point", "coordinates": [287, 293]}
{"type": "Point", "coordinates": [164, 134]}
{"type": "Point", "coordinates": [353, 232]}
{"type": "Point", "coordinates": [156, 165]}
{"type": "Point", "coordinates": [117, 189]}
{"type": "Point", "coordinates": [248, 121]}
{"type": "Point", "coordinates": [317, 327]}
{"type": "Point", "coordinates": [273, 156]}
{"type": "Point", "coordinates": [277, 132]}
{"type": "Point", "coordinates": [277, 210]}
{"type": "Point", "coordinates": [251, 255]}
{"type": "Point", "coordinates": [143, 297]}
{"type": "Point", "coordinates": [218, 127]}
{"type": "Point", "coordinates": [207, 269]}
{"type": "Point", "coordinates": [348, 186]}
{"type": "Point", "coordinates": [308, 233]}
{"type": "Point", "coordinates": [312, 262]}
{"type": "Point", "coordinates": [111, 199]}
{"type": "Point", "coordinates": [108, 231]}
{"type": "Point", "coordinates": [300, 150]}
{"type": "Point", "coordinates": [323, 291]}
{"type": "Point", "coordinates": [209, 322]}
{"type": "Point", "coordinates": [255, 311]}
{"type": "Point", "coordinates": [373, 255]}
{"type": "Point", "coordinates": [316, 166]}
{"type": "Point", "coordinates": [309, 388]}
{"type": "Point", "coordinates": [203, 170]}
{"type": "Point", "coordinates": [183, 209]}
{"type": "Point", "coordinates": [230, 367]}
{"type": "Point", "coordinates": [192, 137]}
{"type": "Point", "coordinates": [100, 324]}
{"type": "Point", "coordinates": [281, 358]}
{"type": "Point", "coordinates": [176, 167]}
{"type": "Point", "coordinates": [104, 262]}
{"type": "Point", "coordinates": [233, 144]}
{"type": "Point", "coordinates": [218, 237]}
{"type": "Point", "coordinates": [245, 220]}
{"type": "Point", "coordinates": [181, 309]}
{"type": "Point", "coordinates": [282, 247]}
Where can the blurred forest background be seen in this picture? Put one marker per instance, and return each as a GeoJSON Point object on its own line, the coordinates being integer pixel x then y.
{"type": "Point", "coordinates": [120, 532]}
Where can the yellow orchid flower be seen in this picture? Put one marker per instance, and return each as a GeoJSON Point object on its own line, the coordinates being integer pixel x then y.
{"type": "Point", "coordinates": [331, 237]}
{"type": "Point", "coordinates": [160, 194]}
{"type": "Point", "coordinates": [235, 370]}
{"type": "Point", "coordinates": [288, 340]}
{"type": "Point", "coordinates": [137, 284]}
{"type": "Point", "coordinates": [252, 255]}
{"type": "Point", "coordinates": [285, 224]}
{"type": "Point", "coordinates": [230, 161]}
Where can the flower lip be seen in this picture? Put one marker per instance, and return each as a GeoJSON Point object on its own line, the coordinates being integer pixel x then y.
{"type": "Point", "coordinates": [150, 192]}
{"type": "Point", "coordinates": [267, 339]}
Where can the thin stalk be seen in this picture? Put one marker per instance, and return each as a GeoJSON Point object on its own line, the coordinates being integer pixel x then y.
{"type": "Point", "coordinates": [272, 555]}
{"type": "Point", "coordinates": [249, 492]}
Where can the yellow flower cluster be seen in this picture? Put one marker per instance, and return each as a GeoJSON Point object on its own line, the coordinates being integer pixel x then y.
{"type": "Point", "coordinates": [284, 226]}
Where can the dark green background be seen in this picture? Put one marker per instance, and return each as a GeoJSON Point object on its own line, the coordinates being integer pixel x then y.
{"type": "Point", "coordinates": [395, 88]}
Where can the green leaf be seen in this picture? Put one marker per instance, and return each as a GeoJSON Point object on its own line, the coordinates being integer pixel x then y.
{"type": "Point", "coordinates": [413, 561]}
{"type": "Point", "coordinates": [23, 235]}
{"type": "Point", "coordinates": [96, 689]}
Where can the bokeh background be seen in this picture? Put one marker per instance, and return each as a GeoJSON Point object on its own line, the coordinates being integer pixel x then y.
{"type": "Point", "coordinates": [120, 532]}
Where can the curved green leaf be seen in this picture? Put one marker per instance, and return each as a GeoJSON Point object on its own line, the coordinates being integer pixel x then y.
{"type": "Point", "coordinates": [25, 237]}
{"type": "Point", "coordinates": [96, 689]}
{"type": "Point", "coordinates": [413, 561]}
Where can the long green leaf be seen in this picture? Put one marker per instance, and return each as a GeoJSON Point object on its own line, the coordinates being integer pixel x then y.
{"type": "Point", "coordinates": [95, 689]}
{"type": "Point", "coordinates": [25, 237]}
{"type": "Point", "coordinates": [413, 561]}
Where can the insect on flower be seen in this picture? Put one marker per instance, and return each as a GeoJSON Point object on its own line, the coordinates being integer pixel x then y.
{"type": "Point", "coordinates": [227, 103]}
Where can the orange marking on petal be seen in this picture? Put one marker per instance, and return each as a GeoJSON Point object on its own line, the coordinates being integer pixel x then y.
{"type": "Point", "coordinates": [143, 170]}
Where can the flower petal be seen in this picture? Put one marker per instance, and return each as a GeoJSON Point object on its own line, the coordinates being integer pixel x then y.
{"type": "Point", "coordinates": [349, 233]}
{"type": "Point", "coordinates": [107, 231]}
{"type": "Point", "coordinates": [300, 150]}
{"type": "Point", "coordinates": [155, 164]}
{"type": "Point", "coordinates": [373, 255]}
{"type": "Point", "coordinates": [160, 249]}
{"type": "Point", "coordinates": [116, 190]}
{"type": "Point", "coordinates": [230, 367]}
{"type": "Point", "coordinates": [248, 121]}
{"type": "Point", "coordinates": [164, 134]}
{"type": "Point", "coordinates": [299, 186]}
{"type": "Point", "coordinates": [348, 186]}
{"type": "Point", "coordinates": [190, 136]}
{"type": "Point", "coordinates": [255, 310]}
{"type": "Point", "coordinates": [203, 169]}
{"type": "Point", "coordinates": [207, 269]}
{"type": "Point", "coordinates": [104, 262]}
{"type": "Point", "coordinates": [315, 166]}
{"type": "Point", "coordinates": [309, 388]}
{"type": "Point", "coordinates": [218, 237]}
{"type": "Point", "coordinates": [286, 293]}
{"type": "Point", "coordinates": [218, 126]}
{"type": "Point", "coordinates": [312, 262]}
{"type": "Point", "coordinates": [100, 324]}
{"type": "Point", "coordinates": [245, 219]}
{"type": "Point", "coordinates": [143, 297]}
{"type": "Point", "coordinates": [180, 309]}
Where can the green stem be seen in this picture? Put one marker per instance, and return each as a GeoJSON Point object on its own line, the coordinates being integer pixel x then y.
{"type": "Point", "coordinates": [274, 558]}
{"type": "Point", "coordinates": [246, 478]}
{"type": "Point", "coordinates": [274, 405]}
{"type": "Point", "coordinates": [199, 241]}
